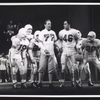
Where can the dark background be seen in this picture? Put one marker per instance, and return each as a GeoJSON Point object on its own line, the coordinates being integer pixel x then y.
{"type": "Point", "coordinates": [82, 17]}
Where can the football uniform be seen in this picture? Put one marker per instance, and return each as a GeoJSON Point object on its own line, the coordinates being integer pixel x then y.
{"type": "Point", "coordinates": [15, 56]}
{"type": "Point", "coordinates": [47, 38]}
{"type": "Point", "coordinates": [24, 46]}
{"type": "Point", "coordinates": [60, 34]}
{"type": "Point", "coordinates": [58, 54]}
{"type": "Point", "coordinates": [80, 57]}
{"type": "Point", "coordinates": [24, 43]}
{"type": "Point", "coordinates": [68, 46]}
{"type": "Point", "coordinates": [29, 37]}
{"type": "Point", "coordinates": [33, 47]}
{"type": "Point", "coordinates": [90, 51]}
{"type": "Point", "coordinates": [36, 48]}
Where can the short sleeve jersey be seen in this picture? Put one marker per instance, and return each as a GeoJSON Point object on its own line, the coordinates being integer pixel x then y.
{"type": "Point", "coordinates": [16, 43]}
{"type": "Point", "coordinates": [18, 47]}
{"type": "Point", "coordinates": [69, 39]}
{"type": "Point", "coordinates": [48, 38]}
{"type": "Point", "coordinates": [24, 46]}
{"type": "Point", "coordinates": [36, 47]}
{"type": "Point", "coordinates": [90, 47]}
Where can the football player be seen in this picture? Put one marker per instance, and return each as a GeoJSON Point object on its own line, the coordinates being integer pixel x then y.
{"type": "Point", "coordinates": [79, 57]}
{"type": "Point", "coordinates": [16, 58]}
{"type": "Point", "coordinates": [91, 47]}
{"type": "Point", "coordinates": [34, 53]}
{"type": "Point", "coordinates": [69, 38]}
{"type": "Point", "coordinates": [47, 57]}
{"type": "Point", "coordinates": [29, 36]}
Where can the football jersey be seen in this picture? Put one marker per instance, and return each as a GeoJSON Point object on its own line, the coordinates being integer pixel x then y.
{"type": "Point", "coordinates": [69, 40]}
{"type": "Point", "coordinates": [48, 38]}
{"type": "Point", "coordinates": [79, 55]}
{"type": "Point", "coordinates": [23, 46]}
{"type": "Point", "coordinates": [16, 45]}
{"type": "Point", "coordinates": [36, 47]}
{"type": "Point", "coordinates": [60, 34]}
{"type": "Point", "coordinates": [3, 63]}
{"type": "Point", "coordinates": [90, 47]}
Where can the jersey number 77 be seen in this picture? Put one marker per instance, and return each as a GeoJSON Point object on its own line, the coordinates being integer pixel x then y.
{"type": "Point", "coordinates": [47, 36]}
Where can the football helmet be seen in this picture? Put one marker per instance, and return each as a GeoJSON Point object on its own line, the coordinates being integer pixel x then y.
{"type": "Point", "coordinates": [28, 29]}
{"type": "Point", "coordinates": [91, 35]}
{"type": "Point", "coordinates": [21, 33]}
{"type": "Point", "coordinates": [79, 34]}
{"type": "Point", "coordinates": [36, 34]}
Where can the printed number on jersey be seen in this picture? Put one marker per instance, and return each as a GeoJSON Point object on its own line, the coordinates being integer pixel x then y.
{"type": "Point", "coordinates": [68, 38]}
{"type": "Point", "coordinates": [22, 47]}
{"type": "Point", "coordinates": [90, 48]}
{"type": "Point", "coordinates": [49, 37]}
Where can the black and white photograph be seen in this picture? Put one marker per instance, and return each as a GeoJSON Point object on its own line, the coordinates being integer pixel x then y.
{"type": "Point", "coordinates": [50, 49]}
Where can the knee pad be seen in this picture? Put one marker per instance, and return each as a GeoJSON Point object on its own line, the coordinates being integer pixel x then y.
{"type": "Point", "coordinates": [72, 70]}
{"type": "Point", "coordinates": [14, 70]}
{"type": "Point", "coordinates": [63, 68]}
{"type": "Point", "coordinates": [34, 69]}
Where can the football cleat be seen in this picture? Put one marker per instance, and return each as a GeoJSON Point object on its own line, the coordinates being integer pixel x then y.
{"type": "Point", "coordinates": [78, 85]}
{"type": "Point", "coordinates": [73, 84]}
{"type": "Point", "coordinates": [51, 86]}
{"type": "Point", "coordinates": [6, 80]}
{"type": "Point", "coordinates": [24, 85]}
{"type": "Point", "coordinates": [90, 83]}
{"type": "Point", "coordinates": [33, 85]}
{"type": "Point", "coordinates": [62, 85]}
{"type": "Point", "coordinates": [15, 85]}
{"type": "Point", "coordinates": [39, 85]}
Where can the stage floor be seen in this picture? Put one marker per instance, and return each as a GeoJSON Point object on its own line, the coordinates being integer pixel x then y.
{"type": "Point", "coordinates": [6, 89]}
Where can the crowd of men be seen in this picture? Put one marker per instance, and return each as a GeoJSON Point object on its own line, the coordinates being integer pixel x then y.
{"type": "Point", "coordinates": [44, 52]}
